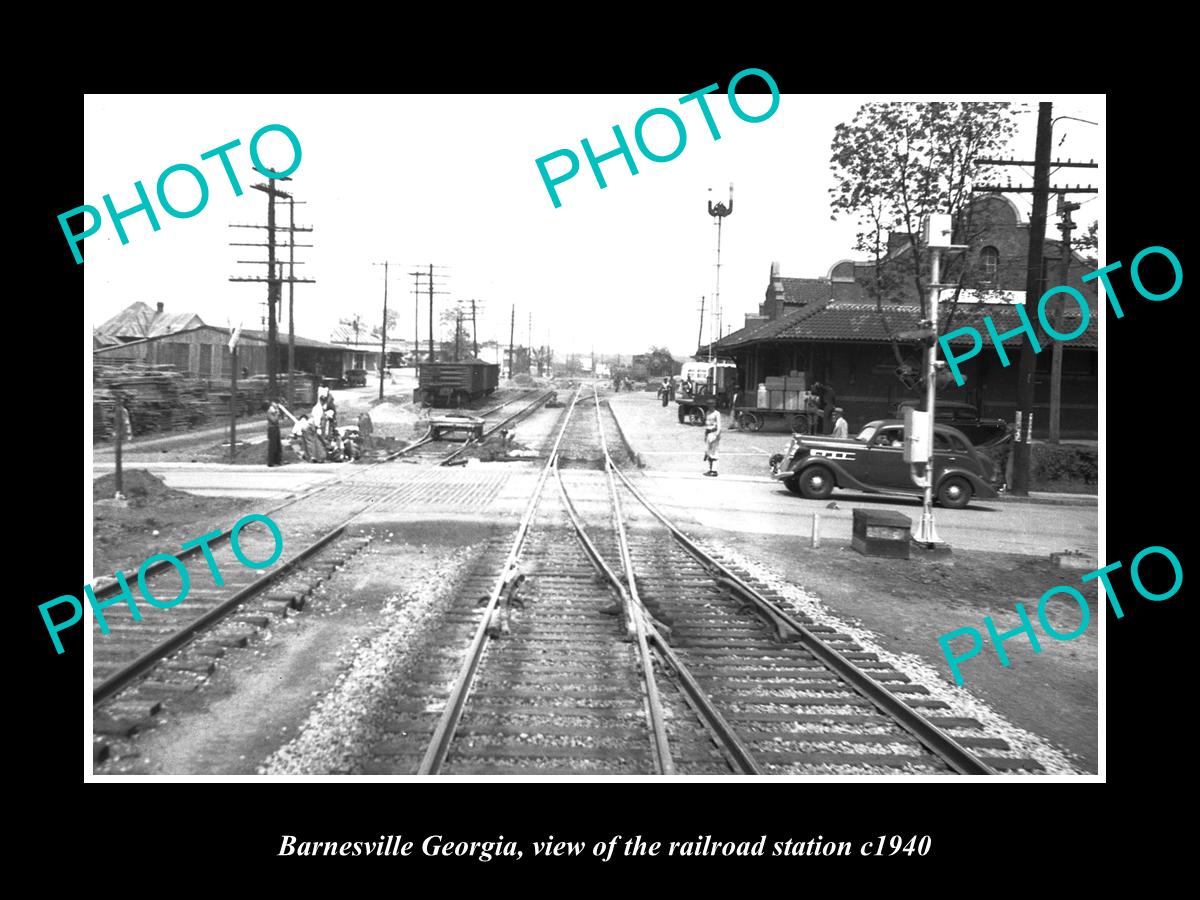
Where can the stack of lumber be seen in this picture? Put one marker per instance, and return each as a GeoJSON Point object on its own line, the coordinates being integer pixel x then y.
{"type": "Point", "coordinates": [158, 398]}
{"type": "Point", "coordinates": [253, 394]}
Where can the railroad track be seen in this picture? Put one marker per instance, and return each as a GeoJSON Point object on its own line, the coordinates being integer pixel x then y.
{"type": "Point", "coordinates": [632, 651]}
{"type": "Point", "coordinates": [165, 654]}
{"type": "Point", "coordinates": [426, 449]}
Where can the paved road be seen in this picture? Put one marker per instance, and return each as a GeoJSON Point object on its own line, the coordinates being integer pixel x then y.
{"type": "Point", "coordinates": [745, 499]}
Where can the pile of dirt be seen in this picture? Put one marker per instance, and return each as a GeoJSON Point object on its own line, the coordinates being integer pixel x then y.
{"type": "Point", "coordinates": [158, 519]}
{"type": "Point", "coordinates": [140, 488]}
{"type": "Point", "coordinates": [521, 380]}
{"type": "Point", "coordinates": [395, 419]}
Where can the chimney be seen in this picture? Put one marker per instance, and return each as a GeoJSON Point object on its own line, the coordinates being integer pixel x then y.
{"type": "Point", "coordinates": [160, 306]}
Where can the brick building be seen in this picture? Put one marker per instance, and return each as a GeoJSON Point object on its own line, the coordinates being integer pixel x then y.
{"type": "Point", "coordinates": [836, 329]}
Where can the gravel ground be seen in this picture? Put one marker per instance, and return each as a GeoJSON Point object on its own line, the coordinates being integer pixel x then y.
{"type": "Point", "coordinates": [342, 725]}
{"type": "Point", "coordinates": [157, 519]}
{"type": "Point", "coordinates": [960, 700]}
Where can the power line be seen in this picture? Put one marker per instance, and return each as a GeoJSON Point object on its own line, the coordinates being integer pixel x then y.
{"type": "Point", "coordinates": [1034, 276]}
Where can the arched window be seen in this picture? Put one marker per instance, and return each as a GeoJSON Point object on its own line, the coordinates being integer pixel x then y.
{"type": "Point", "coordinates": [989, 265]}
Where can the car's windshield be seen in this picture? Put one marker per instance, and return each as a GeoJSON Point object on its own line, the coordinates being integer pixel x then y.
{"type": "Point", "coordinates": [867, 433]}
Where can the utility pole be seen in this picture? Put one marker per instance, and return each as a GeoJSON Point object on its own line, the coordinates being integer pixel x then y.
{"type": "Point", "coordinates": [700, 334]}
{"type": "Point", "coordinates": [291, 358]}
{"type": "Point", "coordinates": [416, 318]}
{"type": "Point", "coordinates": [291, 298]}
{"type": "Point", "coordinates": [418, 274]}
{"type": "Point", "coordinates": [457, 331]}
{"type": "Point", "coordinates": [1056, 353]}
{"type": "Point", "coordinates": [383, 328]}
{"type": "Point", "coordinates": [272, 288]}
{"type": "Point", "coordinates": [1041, 190]}
{"type": "Point", "coordinates": [1022, 445]}
{"type": "Point", "coordinates": [512, 330]}
{"type": "Point", "coordinates": [273, 278]}
{"type": "Point", "coordinates": [474, 332]}
{"type": "Point", "coordinates": [1023, 448]}
{"type": "Point", "coordinates": [529, 341]}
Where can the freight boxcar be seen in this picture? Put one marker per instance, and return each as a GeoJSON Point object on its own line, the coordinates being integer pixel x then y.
{"type": "Point", "coordinates": [451, 384]}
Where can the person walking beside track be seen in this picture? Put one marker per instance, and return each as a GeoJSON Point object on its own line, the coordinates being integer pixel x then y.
{"type": "Point", "coordinates": [712, 440]}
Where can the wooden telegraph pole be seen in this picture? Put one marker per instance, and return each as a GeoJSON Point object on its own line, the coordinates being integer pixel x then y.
{"type": "Point", "coordinates": [274, 280]}
{"type": "Point", "coordinates": [383, 328]}
{"type": "Point", "coordinates": [1066, 226]}
{"type": "Point", "coordinates": [1041, 190]}
{"type": "Point", "coordinates": [512, 331]}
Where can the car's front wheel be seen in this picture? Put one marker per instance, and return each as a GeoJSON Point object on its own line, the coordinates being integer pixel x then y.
{"type": "Point", "coordinates": [955, 492]}
{"type": "Point", "coordinates": [792, 484]}
{"type": "Point", "coordinates": [816, 483]}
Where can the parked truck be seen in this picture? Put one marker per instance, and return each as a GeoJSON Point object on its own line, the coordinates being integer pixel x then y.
{"type": "Point", "coordinates": [714, 384]}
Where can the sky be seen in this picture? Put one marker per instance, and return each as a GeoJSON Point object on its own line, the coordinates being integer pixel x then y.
{"type": "Point", "coordinates": [452, 180]}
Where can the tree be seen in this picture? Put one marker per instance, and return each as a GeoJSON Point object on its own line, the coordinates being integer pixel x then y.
{"type": "Point", "coordinates": [660, 362]}
{"type": "Point", "coordinates": [1088, 243]}
{"type": "Point", "coordinates": [893, 165]}
{"type": "Point", "coordinates": [521, 359]}
{"type": "Point", "coordinates": [391, 325]}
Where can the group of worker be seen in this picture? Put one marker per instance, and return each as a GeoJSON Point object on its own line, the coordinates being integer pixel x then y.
{"type": "Point", "coordinates": [314, 435]}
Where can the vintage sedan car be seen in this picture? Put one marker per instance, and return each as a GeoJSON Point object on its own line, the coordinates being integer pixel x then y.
{"type": "Point", "coordinates": [874, 462]}
{"type": "Point", "coordinates": [965, 417]}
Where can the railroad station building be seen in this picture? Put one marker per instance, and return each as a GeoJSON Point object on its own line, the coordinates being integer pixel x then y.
{"type": "Point", "coordinates": [837, 328]}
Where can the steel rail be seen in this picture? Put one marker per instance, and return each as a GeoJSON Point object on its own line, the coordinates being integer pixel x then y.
{"type": "Point", "coordinates": [517, 416]}
{"type": "Point", "coordinates": [109, 589]}
{"type": "Point", "coordinates": [933, 738]}
{"type": "Point", "coordinates": [149, 659]}
{"type": "Point", "coordinates": [145, 661]}
{"type": "Point", "coordinates": [439, 744]}
{"type": "Point", "coordinates": [724, 734]}
{"type": "Point", "coordinates": [635, 613]}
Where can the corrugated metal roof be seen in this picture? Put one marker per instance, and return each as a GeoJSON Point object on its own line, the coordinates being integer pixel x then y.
{"type": "Point", "coordinates": [165, 323]}
{"type": "Point", "coordinates": [139, 320]}
{"type": "Point", "coordinates": [299, 341]}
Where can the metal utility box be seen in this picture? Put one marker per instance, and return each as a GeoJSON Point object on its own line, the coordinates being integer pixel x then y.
{"type": "Point", "coordinates": [938, 230]}
{"type": "Point", "coordinates": [916, 435]}
{"type": "Point", "coordinates": [879, 532]}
